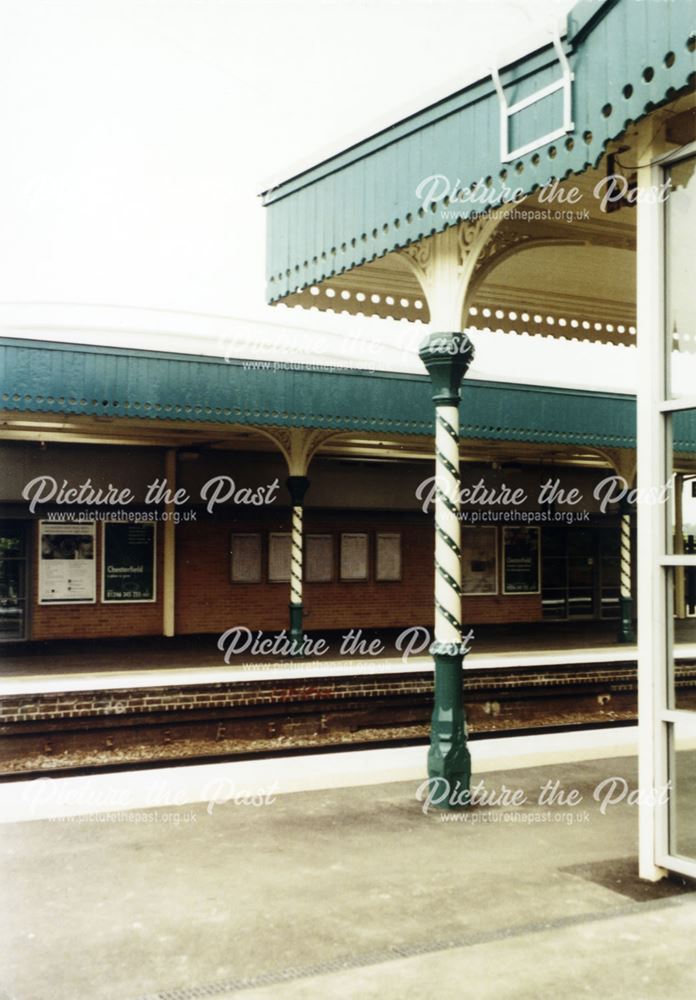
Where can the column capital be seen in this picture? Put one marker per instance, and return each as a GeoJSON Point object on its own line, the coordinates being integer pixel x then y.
{"type": "Point", "coordinates": [297, 487]}
{"type": "Point", "coordinates": [626, 508]}
{"type": "Point", "coordinates": [447, 357]}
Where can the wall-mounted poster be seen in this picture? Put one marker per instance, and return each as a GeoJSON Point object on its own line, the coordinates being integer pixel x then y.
{"type": "Point", "coordinates": [245, 557]}
{"type": "Point", "coordinates": [353, 556]}
{"type": "Point", "coordinates": [67, 563]}
{"type": "Point", "coordinates": [521, 560]}
{"type": "Point", "coordinates": [279, 557]}
{"type": "Point", "coordinates": [388, 559]}
{"type": "Point", "coordinates": [128, 564]}
{"type": "Point", "coordinates": [479, 560]}
{"type": "Point", "coordinates": [319, 559]}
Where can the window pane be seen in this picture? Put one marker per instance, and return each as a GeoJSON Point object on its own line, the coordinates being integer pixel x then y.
{"type": "Point", "coordinates": [682, 825]}
{"type": "Point", "coordinates": [680, 477]}
{"type": "Point", "coordinates": [681, 636]}
{"type": "Point", "coordinates": [13, 597]}
{"type": "Point", "coordinates": [680, 279]}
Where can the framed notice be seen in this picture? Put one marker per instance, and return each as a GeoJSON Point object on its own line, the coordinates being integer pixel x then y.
{"type": "Point", "coordinates": [353, 556]}
{"type": "Point", "coordinates": [521, 554]}
{"type": "Point", "coordinates": [388, 559]}
{"type": "Point", "coordinates": [67, 563]}
{"type": "Point", "coordinates": [319, 559]}
{"type": "Point", "coordinates": [479, 560]}
{"type": "Point", "coordinates": [245, 558]}
{"type": "Point", "coordinates": [279, 557]}
{"type": "Point", "coordinates": [128, 562]}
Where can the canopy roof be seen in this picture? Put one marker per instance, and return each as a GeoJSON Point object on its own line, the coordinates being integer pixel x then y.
{"type": "Point", "coordinates": [337, 231]}
{"type": "Point", "coordinates": [107, 384]}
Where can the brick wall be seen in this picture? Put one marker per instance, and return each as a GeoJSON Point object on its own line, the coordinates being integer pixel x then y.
{"type": "Point", "coordinates": [27, 708]}
{"type": "Point", "coordinates": [207, 601]}
{"type": "Point", "coordinates": [89, 704]}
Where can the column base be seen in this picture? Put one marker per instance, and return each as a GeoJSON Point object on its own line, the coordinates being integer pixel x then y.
{"type": "Point", "coordinates": [626, 633]}
{"type": "Point", "coordinates": [449, 759]}
{"type": "Point", "coordinates": [296, 632]}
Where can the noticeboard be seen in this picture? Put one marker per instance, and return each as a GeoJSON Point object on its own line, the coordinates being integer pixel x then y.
{"type": "Point", "coordinates": [319, 559]}
{"type": "Point", "coordinates": [245, 558]}
{"type": "Point", "coordinates": [521, 560]}
{"type": "Point", "coordinates": [128, 563]}
{"type": "Point", "coordinates": [388, 556]}
{"type": "Point", "coordinates": [479, 560]}
{"type": "Point", "coordinates": [67, 563]}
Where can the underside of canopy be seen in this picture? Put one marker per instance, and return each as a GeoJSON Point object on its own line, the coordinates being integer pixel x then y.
{"type": "Point", "coordinates": [567, 277]}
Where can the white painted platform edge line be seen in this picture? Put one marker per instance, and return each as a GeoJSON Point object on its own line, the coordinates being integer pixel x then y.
{"type": "Point", "coordinates": [61, 798]}
{"type": "Point", "coordinates": [164, 676]}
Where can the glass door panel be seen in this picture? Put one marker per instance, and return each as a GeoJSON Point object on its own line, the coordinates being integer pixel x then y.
{"type": "Point", "coordinates": [554, 573]}
{"type": "Point", "coordinates": [673, 520]}
{"type": "Point", "coordinates": [681, 740]}
{"type": "Point", "coordinates": [582, 562]}
{"type": "Point", "coordinates": [610, 570]}
{"type": "Point", "coordinates": [13, 580]}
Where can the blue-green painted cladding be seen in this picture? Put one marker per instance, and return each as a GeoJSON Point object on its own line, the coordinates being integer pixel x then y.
{"type": "Point", "coordinates": [41, 377]}
{"type": "Point", "coordinates": [361, 204]}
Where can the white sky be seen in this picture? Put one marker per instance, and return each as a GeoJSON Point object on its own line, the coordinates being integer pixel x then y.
{"type": "Point", "coordinates": [137, 133]}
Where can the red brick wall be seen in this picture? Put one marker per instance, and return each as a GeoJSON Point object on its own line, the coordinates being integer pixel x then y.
{"type": "Point", "coordinates": [206, 600]}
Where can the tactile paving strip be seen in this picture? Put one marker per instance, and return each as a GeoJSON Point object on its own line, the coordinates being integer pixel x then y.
{"type": "Point", "coordinates": [393, 952]}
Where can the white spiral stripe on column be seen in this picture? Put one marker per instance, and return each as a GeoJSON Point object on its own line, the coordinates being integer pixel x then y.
{"type": "Point", "coordinates": [448, 574]}
{"type": "Point", "coordinates": [296, 557]}
{"type": "Point", "coordinates": [625, 555]}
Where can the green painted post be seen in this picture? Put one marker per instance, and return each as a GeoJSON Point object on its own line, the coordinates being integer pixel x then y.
{"type": "Point", "coordinates": [297, 487]}
{"type": "Point", "coordinates": [626, 632]}
{"type": "Point", "coordinates": [447, 357]}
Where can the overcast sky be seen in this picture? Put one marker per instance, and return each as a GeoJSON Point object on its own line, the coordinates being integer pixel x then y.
{"type": "Point", "coordinates": [138, 133]}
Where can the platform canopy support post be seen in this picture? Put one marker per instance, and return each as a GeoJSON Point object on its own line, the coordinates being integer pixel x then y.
{"type": "Point", "coordinates": [627, 633]}
{"type": "Point", "coordinates": [297, 487]}
{"type": "Point", "coordinates": [169, 557]}
{"type": "Point", "coordinates": [446, 267]}
{"type": "Point", "coordinates": [447, 357]}
{"type": "Point", "coordinates": [298, 445]}
{"type": "Point", "coordinates": [623, 462]}
{"type": "Point", "coordinates": [679, 571]}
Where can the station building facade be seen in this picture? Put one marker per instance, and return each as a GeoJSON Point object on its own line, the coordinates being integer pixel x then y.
{"type": "Point", "coordinates": [223, 438]}
{"type": "Point", "coordinates": [608, 99]}
{"type": "Point", "coordinates": [447, 213]}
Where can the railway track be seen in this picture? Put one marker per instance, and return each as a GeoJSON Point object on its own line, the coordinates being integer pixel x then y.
{"type": "Point", "coordinates": [109, 729]}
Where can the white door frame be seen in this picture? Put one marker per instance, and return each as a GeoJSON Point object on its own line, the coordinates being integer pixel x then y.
{"type": "Point", "coordinates": [655, 564]}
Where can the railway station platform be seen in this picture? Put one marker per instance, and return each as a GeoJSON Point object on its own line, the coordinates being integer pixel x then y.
{"type": "Point", "coordinates": [343, 892]}
{"type": "Point", "coordinates": [49, 666]}
{"type": "Point", "coordinates": [134, 704]}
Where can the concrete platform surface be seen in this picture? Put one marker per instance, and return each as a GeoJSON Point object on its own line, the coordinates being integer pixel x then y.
{"type": "Point", "coordinates": [491, 645]}
{"type": "Point", "coordinates": [348, 892]}
{"type": "Point", "coordinates": [118, 664]}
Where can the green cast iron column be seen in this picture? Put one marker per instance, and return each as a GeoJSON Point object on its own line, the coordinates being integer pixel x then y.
{"type": "Point", "coordinates": [626, 631]}
{"type": "Point", "coordinates": [447, 357]}
{"type": "Point", "coordinates": [297, 487]}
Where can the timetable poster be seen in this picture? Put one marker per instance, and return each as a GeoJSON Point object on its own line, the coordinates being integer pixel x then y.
{"type": "Point", "coordinates": [129, 563]}
{"type": "Point", "coordinates": [521, 565]}
{"type": "Point", "coordinates": [67, 563]}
